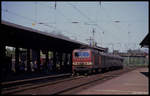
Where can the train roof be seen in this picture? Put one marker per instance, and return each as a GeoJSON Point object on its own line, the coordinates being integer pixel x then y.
{"type": "Point", "coordinates": [102, 53]}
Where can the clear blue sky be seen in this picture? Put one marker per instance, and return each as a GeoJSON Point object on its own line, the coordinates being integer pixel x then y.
{"type": "Point", "coordinates": [127, 33]}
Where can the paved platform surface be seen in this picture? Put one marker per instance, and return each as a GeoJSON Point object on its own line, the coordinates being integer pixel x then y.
{"type": "Point", "coordinates": [134, 82]}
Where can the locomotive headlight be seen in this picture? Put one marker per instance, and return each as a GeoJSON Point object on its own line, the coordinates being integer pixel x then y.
{"type": "Point", "coordinates": [86, 63]}
{"type": "Point", "coordinates": [82, 63]}
{"type": "Point", "coordinates": [89, 63]}
{"type": "Point", "coordinates": [74, 63]}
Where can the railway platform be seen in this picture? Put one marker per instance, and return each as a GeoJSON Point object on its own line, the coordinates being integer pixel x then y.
{"type": "Point", "coordinates": [134, 82]}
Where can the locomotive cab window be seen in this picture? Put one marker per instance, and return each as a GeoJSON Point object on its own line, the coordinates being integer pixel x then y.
{"type": "Point", "coordinates": [81, 54]}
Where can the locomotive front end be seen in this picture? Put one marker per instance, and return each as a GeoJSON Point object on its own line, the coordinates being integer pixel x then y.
{"type": "Point", "coordinates": [81, 61]}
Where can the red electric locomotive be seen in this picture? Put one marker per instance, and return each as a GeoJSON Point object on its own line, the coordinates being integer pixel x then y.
{"type": "Point", "coordinates": [91, 60]}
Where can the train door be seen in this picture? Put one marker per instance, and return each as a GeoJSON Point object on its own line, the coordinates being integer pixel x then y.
{"type": "Point", "coordinates": [100, 61]}
{"type": "Point", "coordinates": [103, 61]}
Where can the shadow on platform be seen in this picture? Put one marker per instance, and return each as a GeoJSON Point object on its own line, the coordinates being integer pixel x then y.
{"type": "Point", "coordinates": [28, 76]}
{"type": "Point", "coordinates": [145, 73]}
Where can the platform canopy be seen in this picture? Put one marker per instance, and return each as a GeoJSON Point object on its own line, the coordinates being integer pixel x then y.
{"type": "Point", "coordinates": [24, 37]}
{"type": "Point", "coordinates": [145, 41]}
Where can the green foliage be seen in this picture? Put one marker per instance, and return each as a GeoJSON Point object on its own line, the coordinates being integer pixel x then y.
{"type": "Point", "coordinates": [135, 61]}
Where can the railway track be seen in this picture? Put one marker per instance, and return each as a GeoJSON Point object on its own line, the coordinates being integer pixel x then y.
{"type": "Point", "coordinates": [93, 80]}
{"type": "Point", "coordinates": [64, 85]}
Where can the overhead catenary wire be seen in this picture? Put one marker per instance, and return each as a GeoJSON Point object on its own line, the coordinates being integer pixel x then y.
{"type": "Point", "coordinates": [48, 5]}
{"type": "Point", "coordinates": [68, 19]}
{"type": "Point", "coordinates": [56, 11]}
{"type": "Point", "coordinates": [122, 21]}
{"type": "Point", "coordinates": [100, 3]}
{"type": "Point", "coordinates": [29, 19]}
{"type": "Point", "coordinates": [10, 12]}
{"type": "Point", "coordinates": [111, 20]}
{"type": "Point", "coordinates": [35, 12]}
{"type": "Point", "coordinates": [96, 25]}
{"type": "Point", "coordinates": [26, 18]}
{"type": "Point", "coordinates": [108, 15]}
{"type": "Point", "coordinates": [89, 19]}
{"type": "Point", "coordinates": [80, 12]}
